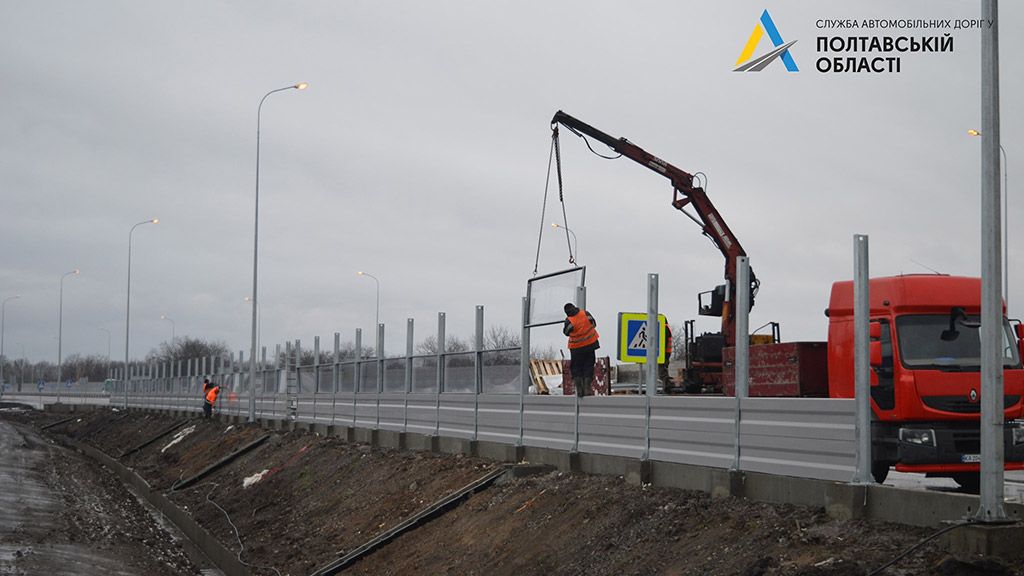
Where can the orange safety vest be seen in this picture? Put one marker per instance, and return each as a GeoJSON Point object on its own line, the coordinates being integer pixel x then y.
{"type": "Point", "coordinates": [583, 332]}
{"type": "Point", "coordinates": [211, 395]}
{"type": "Point", "coordinates": [668, 343]}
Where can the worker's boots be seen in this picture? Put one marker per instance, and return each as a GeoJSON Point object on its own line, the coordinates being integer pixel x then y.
{"type": "Point", "coordinates": [578, 384]}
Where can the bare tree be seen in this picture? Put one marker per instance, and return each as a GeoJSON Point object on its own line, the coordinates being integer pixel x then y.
{"type": "Point", "coordinates": [498, 337]}
{"type": "Point", "coordinates": [187, 348]}
{"type": "Point", "coordinates": [91, 368]}
{"type": "Point", "coordinates": [451, 344]}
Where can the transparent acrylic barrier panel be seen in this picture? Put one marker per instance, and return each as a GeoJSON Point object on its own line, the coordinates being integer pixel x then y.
{"type": "Point", "coordinates": [267, 381]}
{"type": "Point", "coordinates": [346, 377]}
{"type": "Point", "coordinates": [307, 379]}
{"type": "Point", "coordinates": [394, 375]}
{"type": "Point", "coordinates": [501, 371]}
{"type": "Point", "coordinates": [424, 374]}
{"type": "Point", "coordinates": [326, 378]}
{"type": "Point", "coordinates": [460, 372]}
{"type": "Point", "coordinates": [368, 376]}
{"type": "Point", "coordinates": [549, 293]}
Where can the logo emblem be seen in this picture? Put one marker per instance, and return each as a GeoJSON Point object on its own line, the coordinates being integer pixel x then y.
{"type": "Point", "coordinates": [973, 395]}
{"type": "Point", "coordinates": [780, 50]}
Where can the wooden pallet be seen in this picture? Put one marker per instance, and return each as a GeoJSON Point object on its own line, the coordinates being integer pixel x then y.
{"type": "Point", "coordinates": [541, 368]}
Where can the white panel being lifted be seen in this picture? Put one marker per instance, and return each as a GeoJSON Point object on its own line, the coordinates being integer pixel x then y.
{"type": "Point", "coordinates": [546, 295]}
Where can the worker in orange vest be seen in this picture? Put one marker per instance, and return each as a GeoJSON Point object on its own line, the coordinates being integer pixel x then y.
{"type": "Point", "coordinates": [210, 392]}
{"type": "Point", "coordinates": [663, 373]}
{"type": "Point", "coordinates": [581, 328]}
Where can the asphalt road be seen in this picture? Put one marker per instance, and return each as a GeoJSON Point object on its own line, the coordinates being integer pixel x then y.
{"type": "Point", "coordinates": [1013, 486]}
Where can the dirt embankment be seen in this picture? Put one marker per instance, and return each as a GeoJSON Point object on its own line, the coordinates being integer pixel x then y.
{"type": "Point", "coordinates": [319, 497]}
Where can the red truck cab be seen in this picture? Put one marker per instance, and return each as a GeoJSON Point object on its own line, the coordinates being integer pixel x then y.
{"type": "Point", "coordinates": [926, 381]}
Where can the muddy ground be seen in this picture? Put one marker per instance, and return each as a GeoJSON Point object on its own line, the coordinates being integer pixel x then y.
{"type": "Point", "coordinates": [319, 497]}
{"type": "Point", "coordinates": [65, 514]}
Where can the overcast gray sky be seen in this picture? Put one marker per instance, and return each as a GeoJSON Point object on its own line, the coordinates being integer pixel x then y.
{"type": "Point", "coordinates": [419, 153]}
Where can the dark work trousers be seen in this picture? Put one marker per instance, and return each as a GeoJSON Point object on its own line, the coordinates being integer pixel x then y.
{"type": "Point", "coordinates": [581, 365]}
{"type": "Point", "coordinates": [207, 409]}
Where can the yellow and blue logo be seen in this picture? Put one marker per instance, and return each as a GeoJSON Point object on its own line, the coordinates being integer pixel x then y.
{"type": "Point", "coordinates": [781, 49]}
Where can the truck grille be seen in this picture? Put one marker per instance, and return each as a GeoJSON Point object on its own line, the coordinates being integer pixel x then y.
{"type": "Point", "coordinates": [963, 405]}
{"type": "Point", "coordinates": [967, 442]}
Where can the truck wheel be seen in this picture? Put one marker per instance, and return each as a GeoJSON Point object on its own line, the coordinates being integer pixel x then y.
{"type": "Point", "coordinates": [969, 482]}
{"type": "Point", "coordinates": [880, 470]}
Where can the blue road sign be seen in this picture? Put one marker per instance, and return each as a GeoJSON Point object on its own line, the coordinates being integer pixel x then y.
{"type": "Point", "coordinates": [633, 336]}
{"type": "Point", "coordinates": [41, 384]}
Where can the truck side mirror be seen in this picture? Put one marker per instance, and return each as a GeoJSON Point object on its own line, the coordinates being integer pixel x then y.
{"type": "Point", "coordinates": [875, 330]}
{"type": "Point", "coordinates": [875, 349]}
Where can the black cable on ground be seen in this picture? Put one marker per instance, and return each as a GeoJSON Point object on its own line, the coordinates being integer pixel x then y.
{"type": "Point", "coordinates": [918, 545]}
{"type": "Point", "coordinates": [238, 538]}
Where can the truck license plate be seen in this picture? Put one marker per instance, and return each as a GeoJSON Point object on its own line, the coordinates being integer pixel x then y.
{"type": "Point", "coordinates": [970, 458]}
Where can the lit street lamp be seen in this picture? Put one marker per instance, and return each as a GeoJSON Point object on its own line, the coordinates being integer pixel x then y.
{"type": "Point", "coordinates": [377, 316]}
{"type": "Point", "coordinates": [165, 317]}
{"type": "Point", "coordinates": [60, 323]}
{"type": "Point", "coordinates": [3, 320]}
{"type": "Point", "coordinates": [256, 251]}
{"type": "Point", "coordinates": [575, 244]}
{"type": "Point", "coordinates": [128, 309]}
{"type": "Point", "coordinates": [1006, 225]}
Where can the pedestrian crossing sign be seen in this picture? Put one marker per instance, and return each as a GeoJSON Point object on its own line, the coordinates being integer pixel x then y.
{"type": "Point", "coordinates": [633, 337]}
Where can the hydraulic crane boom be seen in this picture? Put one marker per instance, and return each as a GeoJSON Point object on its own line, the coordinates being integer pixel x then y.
{"type": "Point", "coordinates": [684, 193]}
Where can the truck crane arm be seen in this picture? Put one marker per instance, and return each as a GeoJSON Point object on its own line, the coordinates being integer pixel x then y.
{"type": "Point", "coordinates": [684, 193]}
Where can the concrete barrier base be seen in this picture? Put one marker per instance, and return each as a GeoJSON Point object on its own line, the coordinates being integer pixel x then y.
{"type": "Point", "coordinates": [448, 445]}
{"type": "Point", "coordinates": [391, 439]}
{"type": "Point", "coordinates": [499, 452]}
{"type": "Point", "coordinates": [997, 540]}
{"type": "Point", "coordinates": [638, 472]}
{"type": "Point", "coordinates": [365, 436]}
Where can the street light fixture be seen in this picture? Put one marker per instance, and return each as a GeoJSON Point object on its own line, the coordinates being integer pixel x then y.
{"type": "Point", "coordinates": [128, 309]}
{"type": "Point", "coordinates": [576, 246]}
{"type": "Point", "coordinates": [376, 281]}
{"type": "Point", "coordinates": [3, 321]}
{"type": "Point", "coordinates": [60, 324]}
{"type": "Point", "coordinates": [256, 251]}
{"type": "Point", "coordinates": [165, 317]}
{"type": "Point", "coordinates": [1006, 224]}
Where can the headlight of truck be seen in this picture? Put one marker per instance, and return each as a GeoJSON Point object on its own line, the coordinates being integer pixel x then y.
{"type": "Point", "coordinates": [1018, 435]}
{"type": "Point", "coordinates": [921, 437]}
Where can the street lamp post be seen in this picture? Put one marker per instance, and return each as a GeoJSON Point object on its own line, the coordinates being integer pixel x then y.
{"type": "Point", "coordinates": [60, 324]}
{"type": "Point", "coordinates": [256, 251]}
{"type": "Point", "coordinates": [376, 322]}
{"type": "Point", "coordinates": [259, 323]}
{"type": "Point", "coordinates": [21, 372]}
{"type": "Point", "coordinates": [1006, 224]}
{"type": "Point", "coordinates": [3, 321]}
{"type": "Point", "coordinates": [165, 317]}
{"type": "Point", "coordinates": [128, 309]}
{"type": "Point", "coordinates": [575, 244]}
